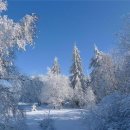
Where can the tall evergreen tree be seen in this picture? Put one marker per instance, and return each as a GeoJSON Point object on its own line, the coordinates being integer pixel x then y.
{"type": "Point", "coordinates": [77, 79]}
{"type": "Point", "coordinates": [76, 70]}
{"type": "Point", "coordinates": [102, 74]}
{"type": "Point", "coordinates": [56, 67]}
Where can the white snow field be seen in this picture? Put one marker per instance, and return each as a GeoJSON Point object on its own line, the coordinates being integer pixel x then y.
{"type": "Point", "coordinates": [64, 119]}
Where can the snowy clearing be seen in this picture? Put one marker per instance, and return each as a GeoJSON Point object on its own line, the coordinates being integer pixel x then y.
{"type": "Point", "coordinates": [64, 119]}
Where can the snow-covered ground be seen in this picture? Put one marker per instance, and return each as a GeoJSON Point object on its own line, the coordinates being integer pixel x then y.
{"type": "Point", "coordinates": [64, 119]}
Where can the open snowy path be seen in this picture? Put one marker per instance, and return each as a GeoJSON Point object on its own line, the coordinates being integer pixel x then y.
{"type": "Point", "coordinates": [64, 119]}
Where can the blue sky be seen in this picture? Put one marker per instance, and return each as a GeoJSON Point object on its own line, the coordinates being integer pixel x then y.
{"type": "Point", "coordinates": [60, 24]}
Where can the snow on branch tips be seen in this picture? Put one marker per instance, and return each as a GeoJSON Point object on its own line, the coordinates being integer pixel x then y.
{"type": "Point", "coordinates": [28, 30]}
{"type": "Point", "coordinates": [14, 34]}
{"type": "Point", "coordinates": [3, 5]}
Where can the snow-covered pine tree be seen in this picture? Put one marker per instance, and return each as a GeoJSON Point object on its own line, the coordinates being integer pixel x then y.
{"type": "Point", "coordinates": [102, 74]}
{"type": "Point", "coordinates": [56, 67]}
{"type": "Point", "coordinates": [76, 71]}
{"type": "Point", "coordinates": [77, 78]}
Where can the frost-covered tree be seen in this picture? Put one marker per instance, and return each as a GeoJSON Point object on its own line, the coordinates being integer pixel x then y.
{"type": "Point", "coordinates": [77, 78]}
{"type": "Point", "coordinates": [55, 90]}
{"type": "Point", "coordinates": [102, 74]}
{"type": "Point", "coordinates": [13, 36]}
{"type": "Point", "coordinates": [122, 57]}
{"type": "Point", "coordinates": [76, 72]}
{"type": "Point", "coordinates": [55, 69]}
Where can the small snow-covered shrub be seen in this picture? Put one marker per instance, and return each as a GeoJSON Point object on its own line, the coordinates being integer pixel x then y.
{"type": "Point", "coordinates": [112, 113]}
{"type": "Point", "coordinates": [47, 123]}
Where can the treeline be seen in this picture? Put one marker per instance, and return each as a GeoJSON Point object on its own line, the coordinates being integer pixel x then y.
{"type": "Point", "coordinates": [105, 92]}
{"type": "Point", "coordinates": [77, 89]}
{"type": "Point", "coordinates": [56, 89]}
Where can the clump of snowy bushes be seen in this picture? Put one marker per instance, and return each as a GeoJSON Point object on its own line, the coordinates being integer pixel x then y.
{"type": "Point", "coordinates": [112, 113]}
{"type": "Point", "coordinates": [47, 123]}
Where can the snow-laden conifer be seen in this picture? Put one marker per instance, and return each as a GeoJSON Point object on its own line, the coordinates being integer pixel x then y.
{"type": "Point", "coordinates": [55, 69]}
{"type": "Point", "coordinates": [102, 74]}
{"type": "Point", "coordinates": [76, 71]}
{"type": "Point", "coordinates": [77, 78]}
